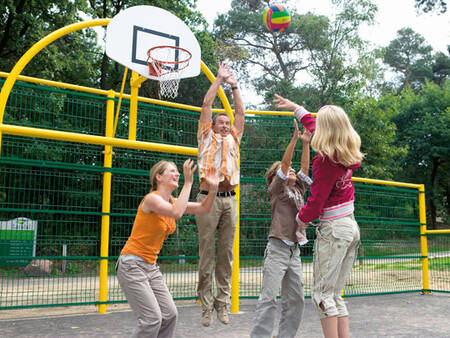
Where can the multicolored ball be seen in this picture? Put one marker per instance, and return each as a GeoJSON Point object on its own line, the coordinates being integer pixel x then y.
{"type": "Point", "coordinates": [277, 18]}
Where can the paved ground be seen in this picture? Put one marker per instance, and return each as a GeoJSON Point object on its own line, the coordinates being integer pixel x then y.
{"type": "Point", "coordinates": [399, 315]}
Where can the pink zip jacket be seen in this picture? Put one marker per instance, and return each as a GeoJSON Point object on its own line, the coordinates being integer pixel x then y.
{"type": "Point", "coordinates": [332, 190]}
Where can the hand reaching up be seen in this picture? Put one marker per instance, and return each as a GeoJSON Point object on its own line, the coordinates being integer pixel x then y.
{"type": "Point", "coordinates": [223, 72]}
{"type": "Point", "coordinates": [281, 102]}
{"type": "Point", "coordinates": [297, 132]}
{"type": "Point", "coordinates": [212, 179]}
{"type": "Point", "coordinates": [188, 171]}
{"type": "Point", "coordinates": [306, 137]}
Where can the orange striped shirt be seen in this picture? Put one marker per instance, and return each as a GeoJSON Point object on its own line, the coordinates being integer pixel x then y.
{"type": "Point", "coordinates": [148, 234]}
{"type": "Point", "coordinates": [217, 151]}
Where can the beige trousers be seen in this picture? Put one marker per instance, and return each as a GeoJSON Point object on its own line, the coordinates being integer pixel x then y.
{"type": "Point", "coordinates": [149, 298]}
{"type": "Point", "coordinates": [221, 219]}
{"type": "Point", "coordinates": [335, 251]}
{"type": "Point", "coordinates": [282, 267]}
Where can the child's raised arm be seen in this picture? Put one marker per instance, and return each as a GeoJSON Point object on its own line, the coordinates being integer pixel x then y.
{"type": "Point", "coordinates": [289, 152]}
{"type": "Point", "coordinates": [304, 164]}
{"type": "Point", "coordinates": [300, 112]}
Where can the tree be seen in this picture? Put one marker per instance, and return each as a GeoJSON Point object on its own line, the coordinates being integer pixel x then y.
{"type": "Point", "coordinates": [441, 67]}
{"type": "Point", "coordinates": [409, 56]}
{"type": "Point", "coordinates": [72, 58]}
{"type": "Point", "coordinates": [423, 125]}
{"type": "Point", "coordinates": [314, 55]}
{"type": "Point", "coordinates": [372, 120]}
{"type": "Point", "coordinates": [426, 6]}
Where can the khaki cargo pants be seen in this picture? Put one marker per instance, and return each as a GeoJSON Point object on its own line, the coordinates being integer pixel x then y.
{"type": "Point", "coordinates": [221, 219]}
{"type": "Point", "coordinates": [149, 298]}
{"type": "Point", "coordinates": [335, 251]}
{"type": "Point", "coordinates": [282, 267]}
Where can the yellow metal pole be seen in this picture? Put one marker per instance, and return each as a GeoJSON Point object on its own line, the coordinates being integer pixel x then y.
{"type": "Point", "coordinates": [236, 254]}
{"type": "Point", "coordinates": [58, 84]}
{"type": "Point", "coordinates": [135, 83]}
{"type": "Point", "coordinates": [106, 207]}
{"type": "Point", "coordinates": [423, 239]}
{"type": "Point", "coordinates": [438, 232]}
{"type": "Point", "coordinates": [392, 183]}
{"type": "Point", "coordinates": [94, 139]}
{"type": "Point", "coordinates": [116, 119]}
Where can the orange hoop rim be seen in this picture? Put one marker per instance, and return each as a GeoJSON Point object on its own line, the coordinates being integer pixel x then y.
{"type": "Point", "coordinates": [150, 57]}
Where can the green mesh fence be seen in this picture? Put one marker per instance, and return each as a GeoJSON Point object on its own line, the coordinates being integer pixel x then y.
{"type": "Point", "coordinates": [51, 207]}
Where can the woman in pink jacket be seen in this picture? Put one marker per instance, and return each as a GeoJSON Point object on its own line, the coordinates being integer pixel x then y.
{"type": "Point", "coordinates": [332, 201]}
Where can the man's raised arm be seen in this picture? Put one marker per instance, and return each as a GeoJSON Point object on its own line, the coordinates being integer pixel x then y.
{"type": "Point", "coordinates": [222, 75]}
{"type": "Point", "coordinates": [239, 111]}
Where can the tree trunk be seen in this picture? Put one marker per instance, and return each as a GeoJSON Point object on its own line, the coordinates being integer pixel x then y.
{"type": "Point", "coordinates": [432, 209]}
{"type": "Point", "coordinates": [434, 169]}
{"type": "Point", "coordinates": [104, 71]}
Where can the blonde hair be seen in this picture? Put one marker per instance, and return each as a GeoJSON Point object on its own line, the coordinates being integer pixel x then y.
{"type": "Point", "coordinates": [335, 136]}
{"type": "Point", "coordinates": [158, 169]}
{"type": "Point", "coordinates": [272, 171]}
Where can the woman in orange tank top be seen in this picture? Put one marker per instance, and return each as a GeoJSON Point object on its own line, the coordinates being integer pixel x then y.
{"type": "Point", "coordinates": [137, 271]}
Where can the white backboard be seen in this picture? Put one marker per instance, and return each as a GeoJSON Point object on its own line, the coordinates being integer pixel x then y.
{"type": "Point", "coordinates": [132, 32]}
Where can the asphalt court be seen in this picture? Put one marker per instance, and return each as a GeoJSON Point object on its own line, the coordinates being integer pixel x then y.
{"type": "Point", "coordinates": [396, 315]}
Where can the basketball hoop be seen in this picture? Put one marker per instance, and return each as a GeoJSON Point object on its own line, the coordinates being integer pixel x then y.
{"type": "Point", "coordinates": [168, 72]}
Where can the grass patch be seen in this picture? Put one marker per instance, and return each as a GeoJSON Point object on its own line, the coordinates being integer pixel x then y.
{"type": "Point", "coordinates": [439, 264]}
{"type": "Point", "coordinates": [176, 267]}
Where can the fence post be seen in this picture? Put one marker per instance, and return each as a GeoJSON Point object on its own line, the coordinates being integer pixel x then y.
{"type": "Point", "coordinates": [236, 258]}
{"type": "Point", "coordinates": [423, 240]}
{"type": "Point", "coordinates": [135, 83]}
{"type": "Point", "coordinates": [106, 206]}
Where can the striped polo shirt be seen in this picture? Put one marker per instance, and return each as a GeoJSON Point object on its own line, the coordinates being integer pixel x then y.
{"type": "Point", "coordinates": [220, 152]}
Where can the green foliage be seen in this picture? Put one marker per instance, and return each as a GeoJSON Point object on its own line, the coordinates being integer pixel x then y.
{"type": "Point", "coordinates": [441, 67]}
{"type": "Point", "coordinates": [77, 58]}
{"type": "Point", "coordinates": [329, 52]}
{"type": "Point", "coordinates": [72, 58]}
{"type": "Point", "coordinates": [423, 125]}
{"type": "Point", "coordinates": [426, 6]}
{"type": "Point", "coordinates": [372, 121]}
{"type": "Point", "coordinates": [410, 56]}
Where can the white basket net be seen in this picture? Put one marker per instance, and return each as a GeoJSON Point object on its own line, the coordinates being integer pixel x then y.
{"type": "Point", "coordinates": [169, 87]}
{"type": "Point", "coordinates": [168, 72]}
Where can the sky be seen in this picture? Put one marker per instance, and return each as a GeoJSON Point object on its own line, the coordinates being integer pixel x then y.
{"type": "Point", "coordinates": [392, 15]}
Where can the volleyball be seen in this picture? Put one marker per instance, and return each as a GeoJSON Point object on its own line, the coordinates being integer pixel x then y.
{"type": "Point", "coordinates": [276, 18]}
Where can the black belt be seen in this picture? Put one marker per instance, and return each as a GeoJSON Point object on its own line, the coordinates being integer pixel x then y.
{"type": "Point", "coordinates": [220, 193]}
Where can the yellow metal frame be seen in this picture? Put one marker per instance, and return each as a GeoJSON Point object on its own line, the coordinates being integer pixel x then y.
{"type": "Point", "coordinates": [109, 141]}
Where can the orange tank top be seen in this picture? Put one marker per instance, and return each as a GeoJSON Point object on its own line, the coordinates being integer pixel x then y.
{"type": "Point", "coordinates": [148, 234]}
